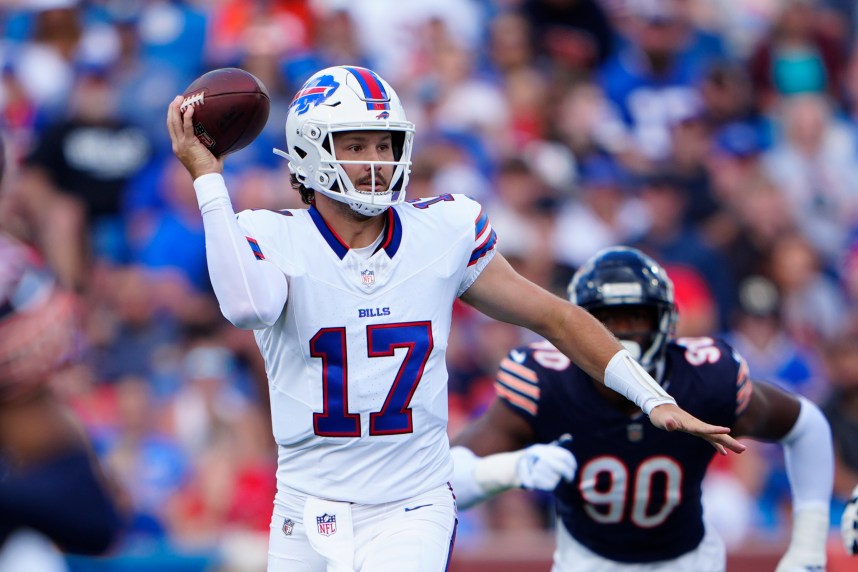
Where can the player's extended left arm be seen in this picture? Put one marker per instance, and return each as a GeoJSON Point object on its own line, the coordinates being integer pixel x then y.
{"type": "Point", "coordinates": [809, 459]}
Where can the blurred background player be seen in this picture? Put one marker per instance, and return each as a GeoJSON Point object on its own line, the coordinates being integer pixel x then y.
{"type": "Point", "coordinates": [849, 524]}
{"type": "Point", "coordinates": [50, 481]}
{"type": "Point", "coordinates": [351, 304]}
{"type": "Point", "coordinates": [630, 497]}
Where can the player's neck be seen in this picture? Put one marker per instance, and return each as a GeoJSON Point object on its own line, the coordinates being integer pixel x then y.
{"type": "Point", "coordinates": [356, 230]}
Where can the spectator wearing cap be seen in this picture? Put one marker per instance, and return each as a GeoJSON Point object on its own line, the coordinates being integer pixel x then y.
{"type": "Point", "coordinates": [652, 78]}
{"type": "Point", "coordinates": [670, 241]}
{"type": "Point", "coordinates": [602, 213]}
{"type": "Point", "coordinates": [813, 164]}
{"type": "Point", "coordinates": [757, 333]}
{"type": "Point", "coordinates": [734, 161]}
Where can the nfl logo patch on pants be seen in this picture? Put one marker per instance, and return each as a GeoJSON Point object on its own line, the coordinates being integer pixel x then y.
{"type": "Point", "coordinates": [326, 524]}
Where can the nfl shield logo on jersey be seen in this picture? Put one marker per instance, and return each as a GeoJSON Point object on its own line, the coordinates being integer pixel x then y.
{"type": "Point", "coordinates": [288, 526]}
{"type": "Point", "coordinates": [634, 431]}
{"type": "Point", "coordinates": [326, 524]}
{"type": "Point", "coordinates": [367, 277]}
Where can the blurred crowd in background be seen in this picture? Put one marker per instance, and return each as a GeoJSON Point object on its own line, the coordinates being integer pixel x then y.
{"type": "Point", "coordinates": [718, 136]}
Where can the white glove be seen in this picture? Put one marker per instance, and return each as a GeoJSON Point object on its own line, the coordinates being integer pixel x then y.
{"type": "Point", "coordinates": [849, 524]}
{"type": "Point", "coordinates": [541, 467]}
{"type": "Point", "coordinates": [536, 467]}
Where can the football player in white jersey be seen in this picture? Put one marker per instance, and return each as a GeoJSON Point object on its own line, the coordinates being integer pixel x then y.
{"type": "Point", "coordinates": [351, 302]}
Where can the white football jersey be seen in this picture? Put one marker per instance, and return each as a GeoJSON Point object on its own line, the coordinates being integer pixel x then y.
{"type": "Point", "coordinates": [356, 362]}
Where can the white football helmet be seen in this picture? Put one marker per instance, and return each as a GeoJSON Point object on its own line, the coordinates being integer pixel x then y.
{"type": "Point", "coordinates": [346, 98]}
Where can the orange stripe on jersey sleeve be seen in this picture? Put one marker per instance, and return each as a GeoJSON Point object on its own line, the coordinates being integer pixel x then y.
{"type": "Point", "coordinates": [518, 385]}
{"type": "Point", "coordinates": [521, 371]}
{"type": "Point", "coordinates": [515, 399]}
{"type": "Point", "coordinates": [744, 387]}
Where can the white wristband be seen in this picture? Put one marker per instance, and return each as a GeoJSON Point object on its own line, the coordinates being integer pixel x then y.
{"type": "Point", "coordinates": [496, 473]}
{"type": "Point", "coordinates": [808, 541]}
{"type": "Point", "coordinates": [476, 478]}
{"type": "Point", "coordinates": [626, 376]}
{"type": "Point", "coordinates": [210, 189]}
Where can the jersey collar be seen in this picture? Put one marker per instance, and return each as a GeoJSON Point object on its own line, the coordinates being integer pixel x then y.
{"type": "Point", "coordinates": [390, 244]}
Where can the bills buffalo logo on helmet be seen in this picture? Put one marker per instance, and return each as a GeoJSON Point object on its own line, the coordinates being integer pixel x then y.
{"type": "Point", "coordinates": [313, 94]}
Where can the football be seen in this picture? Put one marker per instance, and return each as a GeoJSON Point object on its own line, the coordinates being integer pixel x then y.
{"type": "Point", "coordinates": [230, 109]}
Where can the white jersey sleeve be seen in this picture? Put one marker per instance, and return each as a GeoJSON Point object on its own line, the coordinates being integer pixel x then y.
{"type": "Point", "coordinates": [356, 363]}
{"type": "Point", "coordinates": [251, 292]}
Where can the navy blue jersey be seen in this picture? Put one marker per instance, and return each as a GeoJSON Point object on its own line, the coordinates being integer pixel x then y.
{"type": "Point", "coordinates": [637, 494]}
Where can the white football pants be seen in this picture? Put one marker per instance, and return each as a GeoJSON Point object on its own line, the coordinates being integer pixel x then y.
{"type": "Point", "coordinates": [572, 556]}
{"type": "Point", "coordinates": [314, 535]}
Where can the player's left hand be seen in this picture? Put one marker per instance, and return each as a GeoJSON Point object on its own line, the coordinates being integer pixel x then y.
{"type": "Point", "coordinates": [671, 417]}
{"type": "Point", "coordinates": [849, 524]}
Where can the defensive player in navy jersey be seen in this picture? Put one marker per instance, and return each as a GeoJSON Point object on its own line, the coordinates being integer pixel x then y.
{"type": "Point", "coordinates": [629, 497]}
{"type": "Point", "coordinates": [351, 302]}
{"type": "Point", "coordinates": [50, 481]}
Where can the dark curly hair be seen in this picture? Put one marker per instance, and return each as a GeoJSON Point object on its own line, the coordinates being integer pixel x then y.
{"type": "Point", "coordinates": [308, 195]}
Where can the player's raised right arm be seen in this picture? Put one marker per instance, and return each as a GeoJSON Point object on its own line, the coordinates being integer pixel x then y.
{"type": "Point", "coordinates": [251, 292]}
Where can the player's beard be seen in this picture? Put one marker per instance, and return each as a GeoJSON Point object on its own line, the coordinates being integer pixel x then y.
{"type": "Point", "coordinates": [345, 210]}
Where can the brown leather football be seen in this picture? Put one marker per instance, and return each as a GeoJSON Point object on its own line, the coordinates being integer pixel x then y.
{"type": "Point", "coordinates": [230, 109]}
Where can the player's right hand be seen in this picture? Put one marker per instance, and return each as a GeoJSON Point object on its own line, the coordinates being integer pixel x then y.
{"type": "Point", "coordinates": [849, 524]}
{"type": "Point", "coordinates": [671, 417]}
{"type": "Point", "coordinates": [541, 467]}
{"type": "Point", "coordinates": [195, 156]}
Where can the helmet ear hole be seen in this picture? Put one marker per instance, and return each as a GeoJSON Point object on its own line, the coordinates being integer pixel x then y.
{"type": "Point", "coordinates": [312, 132]}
